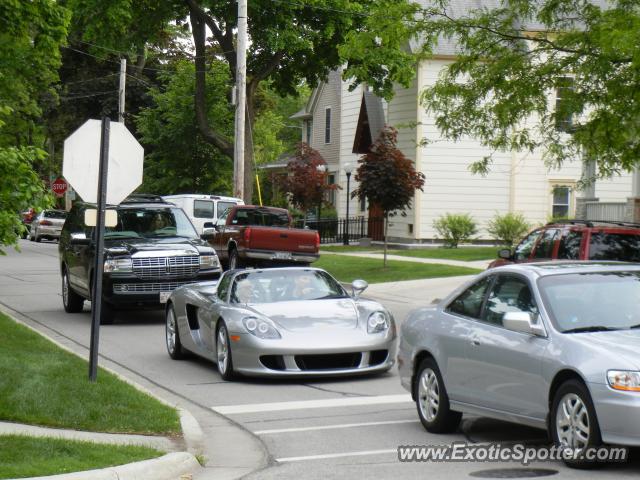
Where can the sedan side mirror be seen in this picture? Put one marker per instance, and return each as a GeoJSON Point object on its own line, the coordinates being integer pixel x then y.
{"type": "Point", "coordinates": [505, 253]}
{"type": "Point", "coordinates": [524, 322]}
{"type": "Point", "coordinates": [358, 286]}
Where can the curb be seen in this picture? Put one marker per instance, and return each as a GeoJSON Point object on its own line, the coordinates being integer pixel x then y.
{"type": "Point", "coordinates": [168, 467]}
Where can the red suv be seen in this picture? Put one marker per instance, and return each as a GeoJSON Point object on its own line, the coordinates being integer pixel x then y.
{"type": "Point", "coordinates": [576, 240]}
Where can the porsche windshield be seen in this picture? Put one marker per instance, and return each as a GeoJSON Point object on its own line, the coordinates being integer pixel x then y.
{"type": "Point", "coordinates": [151, 223]}
{"type": "Point", "coordinates": [284, 286]}
{"type": "Point", "coordinates": [593, 301]}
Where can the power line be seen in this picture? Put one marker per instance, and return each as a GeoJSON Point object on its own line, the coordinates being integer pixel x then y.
{"type": "Point", "coordinates": [96, 94]}
{"type": "Point", "coordinates": [89, 79]}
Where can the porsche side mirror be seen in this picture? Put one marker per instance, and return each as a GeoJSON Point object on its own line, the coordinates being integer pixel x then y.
{"type": "Point", "coordinates": [505, 253]}
{"type": "Point", "coordinates": [357, 287]}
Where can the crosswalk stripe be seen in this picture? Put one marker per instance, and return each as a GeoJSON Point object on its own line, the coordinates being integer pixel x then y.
{"type": "Point", "coordinates": [331, 427]}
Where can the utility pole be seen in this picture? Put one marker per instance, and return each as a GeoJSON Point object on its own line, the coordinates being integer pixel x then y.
{"type": "Point", "coordinates": [123, 81]}
{"type": "Point", "coordinates": [241, 89]}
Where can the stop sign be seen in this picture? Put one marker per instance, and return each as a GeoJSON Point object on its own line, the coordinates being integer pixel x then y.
{"type": "Point", "coordinates": [59, 186]}
{"type": "Point", "coordinates": [81, 162]}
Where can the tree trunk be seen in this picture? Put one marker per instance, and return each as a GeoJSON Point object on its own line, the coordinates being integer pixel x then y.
{"type": "Point", "coordinates": [386, 224]}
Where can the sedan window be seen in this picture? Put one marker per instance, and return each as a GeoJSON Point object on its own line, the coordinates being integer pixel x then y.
{"type": "Point", "coordinates": [469, 302]}
{"type": "Point", "coordinates": [508, 294]}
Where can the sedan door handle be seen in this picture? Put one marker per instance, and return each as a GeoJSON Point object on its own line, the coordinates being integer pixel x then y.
{"type": "Point", "coordinates": [475, 342]}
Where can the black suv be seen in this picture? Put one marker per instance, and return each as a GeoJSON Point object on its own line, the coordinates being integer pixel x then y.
{"type": "Point", "coordinates": [152, 250]}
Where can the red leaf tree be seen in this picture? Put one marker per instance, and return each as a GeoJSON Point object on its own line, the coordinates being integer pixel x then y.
{"type": "Point", "coordinates": [306, 182]}
{"type": "Point", "coordinates": [387, 178]}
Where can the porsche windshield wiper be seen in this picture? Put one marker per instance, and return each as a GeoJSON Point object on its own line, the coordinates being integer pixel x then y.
{"type": "Point", "coordinates": [593, 328]}
{"type": "Point", "coordinates": [632, 327]}
{"type": "Point", "coordinates": [331, 295]}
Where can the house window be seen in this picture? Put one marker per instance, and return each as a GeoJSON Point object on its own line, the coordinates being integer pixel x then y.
{"type": "Point", "coordinates": [308, 125]}
{"type": "Point", "coordinates": [327, 125]}
{"type": "Point", "coordinates": [561, 204]}
{"type": "Point", "coordinates": [363, 204]}
{"type": "Point", "coordinates": [564, 109]}
{"type": "Point", "coordinates": [331, 194]}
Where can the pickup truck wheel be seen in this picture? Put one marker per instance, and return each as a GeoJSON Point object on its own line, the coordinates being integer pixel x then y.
{"type": "Point", "coordinates": [71, 301]}
{"type": "Point", "coordinates": [234, 260]}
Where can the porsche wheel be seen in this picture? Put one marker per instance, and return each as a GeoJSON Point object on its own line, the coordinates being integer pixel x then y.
{"type": "Point", "coordinates": [174, 346]}
{"type": "Point", "coordinates": [223, 353]}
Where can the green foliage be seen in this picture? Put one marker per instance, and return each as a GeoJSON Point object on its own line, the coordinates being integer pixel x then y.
{"type": "Point", "coordinates": [178, 160]}
{"type": "Point", "coordinates": [455, 228]}
{"type": "Point", "coordinates": [497, 89]}
{"type": "Point", "coordinates": [508, 228]}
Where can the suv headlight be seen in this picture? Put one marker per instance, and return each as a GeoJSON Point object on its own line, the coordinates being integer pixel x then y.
{"type": "Point", "coordinates": [208, 261]}
{"type": "Point", "coordinates": [377, 322]}
{"type": "Point", "coordinates": [118, 265]}
{"type": "Point", "coordinates": [260, 327]}
{"type": "Point", "coordinates": [624, 380]}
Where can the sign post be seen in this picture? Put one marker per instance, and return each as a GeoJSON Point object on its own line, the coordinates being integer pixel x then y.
{"type": "Point", "coordinates": [103, 163]}
{"type": "Point", "coordinates": [96, 293]}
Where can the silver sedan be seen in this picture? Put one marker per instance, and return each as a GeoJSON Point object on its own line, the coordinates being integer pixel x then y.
{"type": "Point", "coordinates": [550, 345]}
{"type": "Point", "coordinates": [281, 322]}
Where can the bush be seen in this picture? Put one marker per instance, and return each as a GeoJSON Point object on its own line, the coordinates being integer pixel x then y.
{"type": "Point", "coordinates": [455, 228]}
{"type": "Point", "coordinates": [508, 228]}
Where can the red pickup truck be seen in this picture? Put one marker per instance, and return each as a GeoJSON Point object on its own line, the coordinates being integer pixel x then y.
{"type": "Point", "coordinates": [249, 235]}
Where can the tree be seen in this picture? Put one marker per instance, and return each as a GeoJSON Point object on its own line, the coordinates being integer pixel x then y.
{"type": "Point", "coordinates": [178, 160]}
{"type": "Point", "coordinates": [306, 184]}
{"type": "Point", "coordinates": [513, 56]}
{"type": "Point", "coordinates": [31, 36]}
{"type": "Point", "coordinates": [387, 178]}
{"type": "Point", "coordinates": [290, 42]}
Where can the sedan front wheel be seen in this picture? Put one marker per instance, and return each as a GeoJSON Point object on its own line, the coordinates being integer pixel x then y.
{"type": "Point", "coordinates": [432, 400]}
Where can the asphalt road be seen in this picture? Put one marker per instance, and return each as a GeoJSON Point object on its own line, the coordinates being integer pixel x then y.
{"type": "Point", "coordinates": [346, 428]}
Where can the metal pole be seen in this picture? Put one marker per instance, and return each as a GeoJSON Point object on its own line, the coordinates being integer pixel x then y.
{"type": "Point", "coordinates": [123, 81]}
{"type": "Point", "coordinates": [96, 293]}
{"type": "Point", "coordinates": [346, 226]}
{"type": "Point", "coordinates": [241, 87]}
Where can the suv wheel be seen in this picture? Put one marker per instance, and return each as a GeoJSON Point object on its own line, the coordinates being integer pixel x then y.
{"type": "Point", "coordinates": [71, 301]}
{"type": "Point", "coordinates": [432, 400]}
{"type": "Point", "coordinates": [106, 313]}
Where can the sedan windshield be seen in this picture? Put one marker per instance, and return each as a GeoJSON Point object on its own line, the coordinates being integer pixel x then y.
{"type": "Point", "coordinates": [151, 223]}
{"type": "Point", "coordinates": [284, 286]}
{"type": "Point", "coordinates": [589, 302]}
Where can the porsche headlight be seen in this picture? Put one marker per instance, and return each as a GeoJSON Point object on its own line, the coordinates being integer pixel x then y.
{"type": "Point", "coordinates": [123, 264]}
{"type": "Point", "coordinates": [624, 380]}
{"type": "Point", "coordinates": [208, 261]}
{"type": "Point", "coordinates": [260, 327]}
{"type": "Point", "coordinates": [377, 322]}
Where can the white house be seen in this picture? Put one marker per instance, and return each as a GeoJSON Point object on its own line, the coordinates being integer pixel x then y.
{"type": "Point", "coordinates": [341, 124]}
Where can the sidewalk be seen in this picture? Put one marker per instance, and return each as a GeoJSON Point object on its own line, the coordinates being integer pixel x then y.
{"type": "Point", "coordinates": [481, 264]}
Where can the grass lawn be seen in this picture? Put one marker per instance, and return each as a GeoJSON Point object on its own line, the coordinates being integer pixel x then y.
{"type": "Point", "coordinates": [347, 269]}
{"type": "Point", "coordinates": [22, 456]}
{"type": "Point", "coordinates": [465, 254]}
{"type": "Point", "coordinates": [41, 384]}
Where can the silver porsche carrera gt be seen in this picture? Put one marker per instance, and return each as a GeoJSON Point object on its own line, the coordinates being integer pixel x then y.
{"type": "Point", "coordinates": [281, 322]}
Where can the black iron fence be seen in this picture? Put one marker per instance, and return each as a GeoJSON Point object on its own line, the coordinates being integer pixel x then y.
{"type": "Point", "coordinates": [335, 230]}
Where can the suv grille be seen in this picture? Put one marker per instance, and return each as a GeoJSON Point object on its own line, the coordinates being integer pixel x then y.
{"type": "Point", "coordinates": [125, 288]}
{"type": "Point", "coordinates": [166, 267]}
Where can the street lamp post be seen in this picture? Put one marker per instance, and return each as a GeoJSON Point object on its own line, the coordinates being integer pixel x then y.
{"type": "Point", "coordinates": [347, 169]}
{"type": "Point", "coordinates": [321, 169]}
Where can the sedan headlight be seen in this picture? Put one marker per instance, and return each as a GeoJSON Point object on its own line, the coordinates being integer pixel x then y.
{"type": "Point", "coordinates": [378, 322]}
{"type": "Point", "coordinates": [260, 327]}
{"type": "Point", "coordinates": [208, 261]}
{"type": "Point", "coordinates": [118, 265]}
{"type": "Point", "coordinates": [624, 380]}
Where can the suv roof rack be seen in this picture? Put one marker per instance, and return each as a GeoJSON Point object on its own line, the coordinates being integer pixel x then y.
{"type": "Point", "coordinates": [144, 198]}
{"type": "Point", "coordinates": [591, 223]}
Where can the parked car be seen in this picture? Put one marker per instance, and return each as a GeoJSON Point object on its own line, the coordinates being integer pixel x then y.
{"type": "Point", "coordinates": [281, 322]}
{"type": "Point", "coordinates": [551, 345]}
{"type": "Point", "coordinates": [48, 224]}
{"type": "Point", "coordinates": [248, 235]}
{"type": "Point", "coordinates": [203, 208]}
{"type": "Point", "coordinates": [576, 240]}
{"type": "Point", "coordinates": [152, 250]}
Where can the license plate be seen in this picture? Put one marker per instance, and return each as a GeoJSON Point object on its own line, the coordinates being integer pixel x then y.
{"type": "Point", "coordinates": [282, 256]}
{"type": "Point", "coordinates": [164, 296]}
